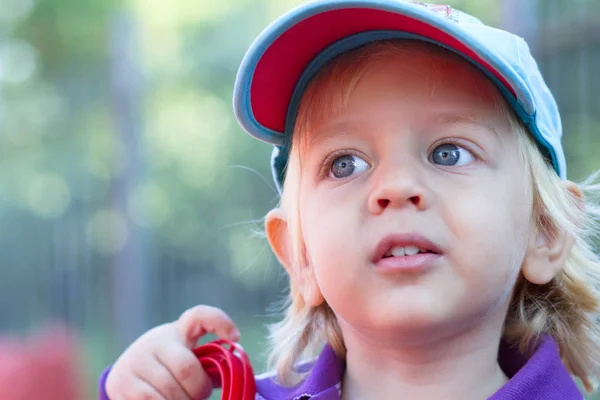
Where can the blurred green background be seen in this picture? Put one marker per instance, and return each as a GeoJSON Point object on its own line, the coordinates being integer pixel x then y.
{"type": "Point", "coordinates": [128, 193]}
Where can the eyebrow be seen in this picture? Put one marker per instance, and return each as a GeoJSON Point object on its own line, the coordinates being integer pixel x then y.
{"type": "Point", "coordinates": [339, 128]}
{"type": "Point", "coordinates": [345, 127]}
{"type": "Point", "coordinates": [452, 117]}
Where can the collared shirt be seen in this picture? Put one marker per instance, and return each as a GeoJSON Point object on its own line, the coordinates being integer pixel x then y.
{"type": "Point", "coordinates": [541, 377]}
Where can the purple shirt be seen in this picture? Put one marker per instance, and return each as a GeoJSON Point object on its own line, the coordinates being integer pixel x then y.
{"type": "Point", "coordinates": [541, 377]}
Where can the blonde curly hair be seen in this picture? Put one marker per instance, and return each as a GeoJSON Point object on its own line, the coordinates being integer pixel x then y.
{"type": "Point", "coordinates": [566, 308]}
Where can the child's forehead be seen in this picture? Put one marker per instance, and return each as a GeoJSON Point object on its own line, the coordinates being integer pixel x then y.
{"type": "Point", "coordinates": [364, 126]}
{"type": "Point", "coordinates": [408, 62]}
{"type": "Point", "coordinates": [436, 71]}
{"type": "Point", "coordinates": [405, 72]}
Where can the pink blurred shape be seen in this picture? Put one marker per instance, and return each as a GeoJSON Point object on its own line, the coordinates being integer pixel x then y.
{"type": "Point", "coordinates": [44, 366]}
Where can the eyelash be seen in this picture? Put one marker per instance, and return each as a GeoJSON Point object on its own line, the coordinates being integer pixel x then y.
{"type": "Point", "coordinates": [460, 143]}
{"type": "Point", "coordinates": [326, 165]}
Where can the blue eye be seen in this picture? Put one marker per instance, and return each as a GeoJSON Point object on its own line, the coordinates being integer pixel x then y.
{"type": "Point", "coordinates": [449, 154]}
{"type": "Point", "coordinates": [346, 165]}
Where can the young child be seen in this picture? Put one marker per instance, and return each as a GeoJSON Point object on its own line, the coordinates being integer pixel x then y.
{"type": "Point", "coordinates": [433, 243]}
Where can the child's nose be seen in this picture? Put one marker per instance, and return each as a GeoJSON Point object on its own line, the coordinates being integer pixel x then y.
{"type": "Point", "coordinates": [398, 188]}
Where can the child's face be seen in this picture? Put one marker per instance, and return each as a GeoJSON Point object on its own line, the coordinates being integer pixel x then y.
{"type": "Point", "coordinates": [422, 148]}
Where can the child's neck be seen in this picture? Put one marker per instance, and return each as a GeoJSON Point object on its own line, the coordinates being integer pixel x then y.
{"type": "Point", "coordinates": [459, 367]}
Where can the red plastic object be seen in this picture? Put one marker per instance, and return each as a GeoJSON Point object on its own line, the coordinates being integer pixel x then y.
{"type": "Point", "coordinates": [228, 365]}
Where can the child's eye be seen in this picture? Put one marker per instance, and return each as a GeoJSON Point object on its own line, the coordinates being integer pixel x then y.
{"type": "Point", "coordinates": [449, 154]}
{"type": "Point", "coordinates": [346, 165]}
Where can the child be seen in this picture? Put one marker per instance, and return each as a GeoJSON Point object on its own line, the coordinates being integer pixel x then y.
{"type": "Point", "coordinates": [433, 243]}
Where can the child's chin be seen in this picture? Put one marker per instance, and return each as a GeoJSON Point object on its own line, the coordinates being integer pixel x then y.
{"type": "Point", "coordinates": [417, 322]}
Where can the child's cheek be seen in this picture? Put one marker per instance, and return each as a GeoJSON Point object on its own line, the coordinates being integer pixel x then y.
{"type": "Point", "coordinates": [327, 222]}
{"type": "Point", "coordinates": [331, 229]}
{"type": "Point", "coordinates": [490, 229]}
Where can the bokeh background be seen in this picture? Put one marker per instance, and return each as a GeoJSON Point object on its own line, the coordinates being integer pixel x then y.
{"type": "Point", "coordinates": [128, 192]}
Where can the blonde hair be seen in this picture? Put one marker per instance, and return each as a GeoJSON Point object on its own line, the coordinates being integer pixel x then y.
{"type": "Point", "coordinates": [565, 308]}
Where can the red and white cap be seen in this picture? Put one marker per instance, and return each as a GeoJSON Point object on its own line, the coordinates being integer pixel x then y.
{"type": "Point", "coordinates": [288, 54]}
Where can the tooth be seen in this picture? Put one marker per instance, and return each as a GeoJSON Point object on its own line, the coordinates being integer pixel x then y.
{"type": "Point", "coordinates": [411, 250]}
{"type": "Point", "coordinates": [398, 251]}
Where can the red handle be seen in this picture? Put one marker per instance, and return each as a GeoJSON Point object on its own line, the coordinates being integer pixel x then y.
{"type": "Point", "coordinates": [227, 363]}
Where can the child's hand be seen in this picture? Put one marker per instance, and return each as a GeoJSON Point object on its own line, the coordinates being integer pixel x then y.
{"type": "Point", "coordinates": [161, 364]}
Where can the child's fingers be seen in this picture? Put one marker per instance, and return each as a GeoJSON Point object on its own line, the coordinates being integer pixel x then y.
{"type": "Point", "coordinates": [186, 368]}
{"type": "Point", "coordinates": [200, 320]}
{"type": "Point", "coordinates": [141, 390]}
{"type": "Point", "coordinates": [126, 387]}
{"type": "Point", "coordinates": [155, 374]}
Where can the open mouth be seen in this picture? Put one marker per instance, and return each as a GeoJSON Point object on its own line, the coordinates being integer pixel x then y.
{"type": "Point", "coordinates": [405, 245]}
{"type": "Point", "coordinates": [401, 251]}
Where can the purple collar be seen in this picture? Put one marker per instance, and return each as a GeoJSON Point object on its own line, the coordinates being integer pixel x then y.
{"type": "Point", "coordinates": [541, 377]}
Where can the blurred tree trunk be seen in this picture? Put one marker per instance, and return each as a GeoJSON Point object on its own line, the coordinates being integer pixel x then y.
{"type": "Point", "coordinates": [521, 18]}
{"type": "Point", "coordinates": [130, 277]}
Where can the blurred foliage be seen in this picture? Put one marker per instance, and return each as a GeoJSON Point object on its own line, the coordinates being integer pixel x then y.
{"type": "Point", "coordinates": [127, 190]}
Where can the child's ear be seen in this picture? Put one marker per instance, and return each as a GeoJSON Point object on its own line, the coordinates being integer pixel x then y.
{"type": "Point", "coordinates": [549, 247]}
{"type": "Point", "coordinates": [276, 228]}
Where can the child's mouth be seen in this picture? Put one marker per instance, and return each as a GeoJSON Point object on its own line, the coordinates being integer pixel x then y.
{"type": "Point", "coordinates": [401, 251]}
{"type": "Point", "coordinates": [406, 252]}
{"type": "Point", "coordinates": [406, 244]}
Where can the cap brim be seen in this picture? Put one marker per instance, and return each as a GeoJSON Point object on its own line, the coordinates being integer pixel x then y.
{"type": "Point", "coordinates": [273, 66]}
